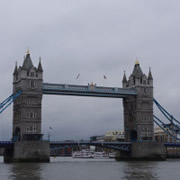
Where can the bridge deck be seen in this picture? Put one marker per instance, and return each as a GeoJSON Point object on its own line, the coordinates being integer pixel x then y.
{"type": "Point", "coordinates": [89, 90]}
{"type": "Point", "coordinates": [4, 144]}
{"type": "Point", "coordinates": [172, 144]}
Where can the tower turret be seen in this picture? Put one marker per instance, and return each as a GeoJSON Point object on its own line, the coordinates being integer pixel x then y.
{"type": "Point", "coordinates": [150, 78]}
{"type": "Point", "coordinates": [137, 74]}
{"type": "Point", "coordinates": [15, 73]}
{"type": "Point", "coordinates": [124, 81]}
{"type": "Point", "coordinates": [27, 64]}
{"type": "Point", "coordinates": [40, 69]}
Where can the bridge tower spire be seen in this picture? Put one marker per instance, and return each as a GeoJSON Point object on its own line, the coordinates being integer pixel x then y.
{"type": "Point", "coordinates": [138, 110]}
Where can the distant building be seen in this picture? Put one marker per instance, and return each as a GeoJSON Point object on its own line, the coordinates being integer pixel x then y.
{"type": "Point", "coordinates": [161, 136]}
{"type": "Point", "coordinates": [97, 138]}
{"type": "Point", "coordinates": [61, 152]}
{"type": "Point", "coordinates": [114, 136]}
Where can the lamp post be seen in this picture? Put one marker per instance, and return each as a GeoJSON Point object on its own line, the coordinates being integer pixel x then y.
{"type": "Point", "coordinates": [49, 134]}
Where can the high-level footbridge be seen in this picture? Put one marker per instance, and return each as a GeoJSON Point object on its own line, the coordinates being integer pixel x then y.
{"type": "Point", "coordinates": [89, 90]}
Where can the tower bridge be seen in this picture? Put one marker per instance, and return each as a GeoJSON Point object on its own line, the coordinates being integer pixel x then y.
{"type": "Point", "coordinates": [136, 93]}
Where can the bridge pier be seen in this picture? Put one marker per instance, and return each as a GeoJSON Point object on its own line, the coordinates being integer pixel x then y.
{"type": "Point", "coordinates": [28, 151]}
{"type": "Point", "coordinates": [8, 154]}
{"type": "Point", "coordinates": [153, 151]}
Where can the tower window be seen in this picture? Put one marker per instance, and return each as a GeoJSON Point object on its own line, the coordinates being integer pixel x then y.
{"type": "Point", "coordinates": [145, 91]}
{"type": "Point", "coordinates": [31, 101]}
{"type": "Point", "coordinates": [32, 74]}
{"type": "Point", "coordinates": [32, 83]}
{"type": "Point", "coordinates": [31, 115]}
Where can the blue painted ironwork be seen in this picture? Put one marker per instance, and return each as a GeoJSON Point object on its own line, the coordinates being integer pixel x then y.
{"type": "Point", "coordinates": [4, 144]}
{"type": "Point", "coordinates": [121, 146]}
{"type": "Point", "coordinates": [9, 100]}
{"type": "Point", "coordinates": [170, 118]}
{"type": "Point", "coordinates": [54, 148]}
{"type": "Point", "coordinates": [172, 144]}
{"type": "Point", "coordinates": [5, 101]}
{"type": "Point", "coordinates": [90, 90]}
{"type": "Point", "coordinates": [54, 145]}
{"type": "Point", "coordinates": [162, 126]}
{"type": "Point", "coordinates": [167, 125]}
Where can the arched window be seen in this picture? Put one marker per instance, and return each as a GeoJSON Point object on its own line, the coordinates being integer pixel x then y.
{"type": "Point", "coordinates": [133, 135]}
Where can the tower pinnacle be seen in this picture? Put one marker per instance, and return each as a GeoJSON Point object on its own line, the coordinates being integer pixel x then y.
{"type": "Point", "coordinates": [137, 62]}
{"type": "Point", "coordinates": [28, 51]}
{"type": "Point", "coordinates": [40, 69]}
{"type": "Point", "coordinates": [124, 78]}
{"type": "Point", "coordinates": [15, 69]}
{"type": "Point", "coordinates": [150, 75]}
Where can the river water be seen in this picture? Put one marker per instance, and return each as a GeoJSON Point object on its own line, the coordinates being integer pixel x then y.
{"type": "Point", "coordinates": [67, 168]}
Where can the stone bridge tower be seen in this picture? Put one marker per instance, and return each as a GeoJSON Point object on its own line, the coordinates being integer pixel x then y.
{"type": "Point", "coordinates": [138, 110]}
{"type": "Point", "coordinates": [27, 107]}
{"type": "Point", "coordinates": [28, 145]}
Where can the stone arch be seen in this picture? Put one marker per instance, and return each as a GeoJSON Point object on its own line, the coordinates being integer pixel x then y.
{"type": "Point", "coordinates": [133, 135]}
{"type": "Point", "coordinates": [17, 134]}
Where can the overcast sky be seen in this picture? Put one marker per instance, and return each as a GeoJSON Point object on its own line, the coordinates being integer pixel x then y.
{"type": "Point", "coordinates": [93, 38]}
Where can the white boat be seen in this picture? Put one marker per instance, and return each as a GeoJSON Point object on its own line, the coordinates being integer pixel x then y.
{"type": "Point", "coordinates": [99, 155]}
{"type": "Point", "coordinates": [83, 154]}
{"type": "Point", "coordinates": [89, 154]}
{"type": "Point", "coordinates": [112, 155]}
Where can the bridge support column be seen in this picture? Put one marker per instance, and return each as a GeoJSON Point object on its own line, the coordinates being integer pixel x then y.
{"type": "Point", "coordinates": [28, 151]}
{"type": "Point", "coordinates": [28, 146]}
{"type": "Point", "coordinates": [153, 151]}
{"type": "Point", "coordinates": [148, 151]}
{"type": "Point", "coordinates": [138, 117]}
{"type": "Point", "coordinates": [138, 110]}
{"type": "Point", "coordinates": [8, 154]}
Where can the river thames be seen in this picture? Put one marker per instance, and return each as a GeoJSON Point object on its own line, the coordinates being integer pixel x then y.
{"type": "Point", "coordinates": [67, 168]}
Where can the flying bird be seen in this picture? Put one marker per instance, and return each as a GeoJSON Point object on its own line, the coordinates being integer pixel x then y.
{"type": "Point", "coordinates": [104, 77]}
{"type": "Point", "coordinates": [78, 76]}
